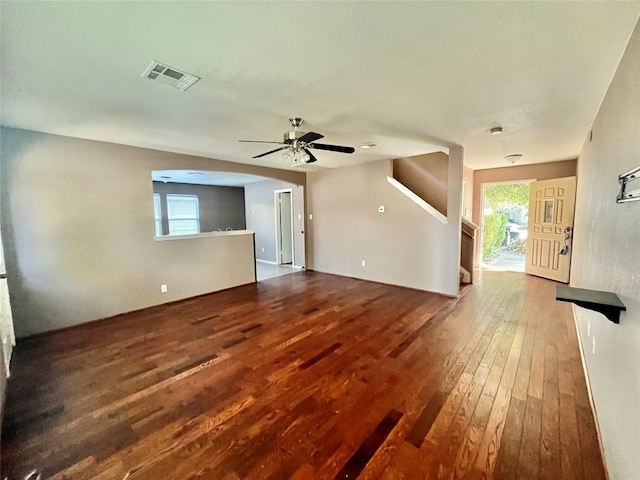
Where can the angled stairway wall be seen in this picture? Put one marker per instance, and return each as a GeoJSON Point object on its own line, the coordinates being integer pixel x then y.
{"type": "Point", "coordinates": [426, 176]}
{"type": "Point", "coordinates": [349, 234]}
{"type": "Point", "coordinates": [425, 180]}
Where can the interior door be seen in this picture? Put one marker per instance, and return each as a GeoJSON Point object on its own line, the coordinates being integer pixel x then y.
{"type": "Point", "coordinates": [550, 232]}
{"type": "Point", "coordinates": [285, 228]}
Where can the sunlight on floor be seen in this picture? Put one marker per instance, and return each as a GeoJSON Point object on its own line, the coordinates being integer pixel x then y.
{"type": "Point", "coordinates": [269, 270]}
{"type": "Point", "coordinates": [504, 261]}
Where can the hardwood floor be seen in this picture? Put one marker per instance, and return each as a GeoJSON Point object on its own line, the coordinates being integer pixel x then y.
{"type": "Point", "coordinates": [311, 376]}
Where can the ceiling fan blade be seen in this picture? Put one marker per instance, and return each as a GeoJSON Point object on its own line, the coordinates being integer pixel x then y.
{"type": "Point", "coordinates": [312, 158]}
{"type": "Point", "coordinates": [270, 152]}
{"type": "Point", "coordinates": [259, 141]}
{"type": "Point", "coordinates": [331, 148]}
{"type": "Point", "coordinates": [310, 137]}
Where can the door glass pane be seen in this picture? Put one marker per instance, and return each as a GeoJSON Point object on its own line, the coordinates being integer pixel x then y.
{"type": "Point", "coordinates": [548, 211]}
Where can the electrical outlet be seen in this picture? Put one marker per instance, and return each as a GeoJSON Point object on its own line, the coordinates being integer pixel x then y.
{"type": "Point", "coordinates": [163, 289]}
{"type": "Point", "coordinates": [364, 263]}
{"type": "Point", "coordinates": [593, 345]}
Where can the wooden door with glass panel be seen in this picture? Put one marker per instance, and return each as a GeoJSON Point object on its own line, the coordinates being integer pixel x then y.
{"type": "Point", "coordinates": [550, 232]}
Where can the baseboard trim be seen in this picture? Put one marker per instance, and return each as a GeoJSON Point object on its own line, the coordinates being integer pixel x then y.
{"type": "Point", "coordinates": [60, 330]}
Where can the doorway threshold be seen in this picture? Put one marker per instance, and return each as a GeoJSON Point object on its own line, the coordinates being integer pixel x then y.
{"type": "Point", "coordinates": [266, 270]}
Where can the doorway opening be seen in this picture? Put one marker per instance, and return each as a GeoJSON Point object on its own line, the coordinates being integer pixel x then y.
{"type": "Point", "coordinates": [505, 216]}
{"type": "Point", "coordinates": [284, 241]}
{"type": "Point", "coordinates": [275, 212]}
{"type": "Point", "coordinates": [284, 227]}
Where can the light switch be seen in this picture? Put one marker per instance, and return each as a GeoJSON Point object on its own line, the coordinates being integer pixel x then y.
{"type": "Point", "coordinates": [311, 216]}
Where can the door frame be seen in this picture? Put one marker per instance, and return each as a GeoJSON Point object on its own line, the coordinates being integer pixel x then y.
{"type": "Point", "coordinates": [482, 187]}
{"type": "Point", "coordinates": [278, 209]}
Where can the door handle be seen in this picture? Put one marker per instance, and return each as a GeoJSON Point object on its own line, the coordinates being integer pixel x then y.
{"type": "Point", "coordinates": [568, 233]}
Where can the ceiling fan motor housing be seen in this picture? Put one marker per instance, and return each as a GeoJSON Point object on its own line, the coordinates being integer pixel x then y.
{"type": "Point", "coordinates": [290, 137]}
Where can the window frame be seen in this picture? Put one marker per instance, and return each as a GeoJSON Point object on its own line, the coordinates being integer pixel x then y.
{"type": "Point", "coordinates": [174, 219]}
{"type": "Point", "coordinates": [157, 213]}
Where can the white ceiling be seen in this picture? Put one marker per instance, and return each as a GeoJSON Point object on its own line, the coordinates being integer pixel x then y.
{"type": "Point", "coordinates": [408, 76]}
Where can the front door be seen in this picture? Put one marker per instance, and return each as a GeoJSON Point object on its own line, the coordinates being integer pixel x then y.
{"type": "Point", "coordinates": [550, 232]}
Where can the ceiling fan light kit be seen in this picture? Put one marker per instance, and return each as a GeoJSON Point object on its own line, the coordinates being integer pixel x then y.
{"type": "Point", "coordinates": [297, 144]}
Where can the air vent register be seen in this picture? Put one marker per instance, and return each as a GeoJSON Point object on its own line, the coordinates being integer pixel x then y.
{"type": "Point", "coordinates": [171, 76]}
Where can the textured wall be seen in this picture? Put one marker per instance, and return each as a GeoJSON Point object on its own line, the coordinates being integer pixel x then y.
{"type": "Point", "coordinates": [606, 247]}
{"type": "Point", "coordinates": [402, 246]}
{"type": "Point", "coordinates": [78, 231]}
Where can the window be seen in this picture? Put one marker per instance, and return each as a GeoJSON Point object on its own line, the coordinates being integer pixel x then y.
{"type": "Point", "coordinates": [157, 212]}
{"type": "Point", "coordinates": [184, 214]}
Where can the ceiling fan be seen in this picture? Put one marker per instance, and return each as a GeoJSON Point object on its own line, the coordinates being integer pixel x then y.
{"type": "Point", "coordinates": [297, 144]}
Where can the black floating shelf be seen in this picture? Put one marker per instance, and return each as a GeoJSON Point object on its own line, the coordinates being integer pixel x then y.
{"type": "Point", "coordinates": [606, 303]}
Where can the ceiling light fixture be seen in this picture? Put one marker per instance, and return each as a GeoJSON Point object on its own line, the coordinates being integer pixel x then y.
{"type": "Point", "coordinates": [495, 131]}
{"type": "Point", "coordinates": [195, 174]}
{"type": "Point", "coordinates": [368, 145]}
{"type": "Point", "coordinates": [296, 156]}
{"type": "Point", "coordinates": [513, 158]}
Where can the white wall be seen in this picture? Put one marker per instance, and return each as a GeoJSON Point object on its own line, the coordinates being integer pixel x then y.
{"type": "Point", "coordinates": [402, 246]}
{"type": "Point", "coordinates": [260, 215]}
{"type": "Point", "coordinates": [606, 257]}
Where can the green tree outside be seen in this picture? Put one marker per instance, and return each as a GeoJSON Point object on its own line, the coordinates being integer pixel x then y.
{"type": "Point", "coordinates": [504, 194]}
{"type": "Point", "coordinates": [500, 198]}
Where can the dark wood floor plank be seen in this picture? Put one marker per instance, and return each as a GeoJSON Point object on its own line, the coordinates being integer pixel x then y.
{"type": "Point", "coordinates": [292, 377]}
{"type": "Point", "coordinates": [550, 426]}
{"type": "Point", "coordinates": [529, 457]}
{"type": "Point", "coordinates": [466, 457]}
{"type": "Point", "coordinates": [445, 458]}
{"type": "Point", "coordinates": [492, 440]}
{"type": "Point", "coordinates": [367, 450]}
{"type": "Point", "coordinates": [509, 452]}
{"type": "Point", "coordinates": [591, 454]}
{"type": "Point", "coordinates": [571, 454]}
